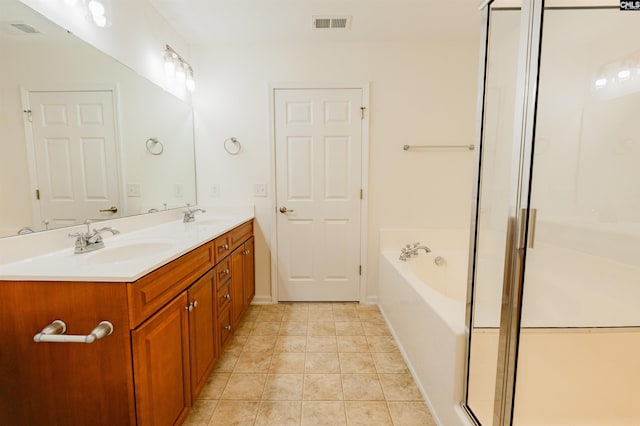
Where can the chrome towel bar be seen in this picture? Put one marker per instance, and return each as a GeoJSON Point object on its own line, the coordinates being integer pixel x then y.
{"type": "Point", "coordinates": [54, 332]}
{"type": "Point", "coordinates": [468, 147]}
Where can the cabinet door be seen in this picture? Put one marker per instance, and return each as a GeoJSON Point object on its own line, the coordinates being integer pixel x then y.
{"type": "Point", "coordinates": [161, 365]}
{"type": "Point", "coordinates": [237, 298]}
{"type": "Point", "coordinates": [249, 278]}
{"type": "Point", "coordinates": [202, 347]}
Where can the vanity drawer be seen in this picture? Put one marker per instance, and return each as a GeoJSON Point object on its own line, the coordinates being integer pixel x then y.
{"type": "Point", "coordinates": [224, 297]}
{"type": "Point", "coordinates": [154, 290]}
{"type": "Point", "coordinates": [240, 234]}
{"type": "Point", "coordinates": [222, 246]}
{"type": "Point", "coordinates": [224, 321]}
{"type": "Point", "coordinates": [223, 271]}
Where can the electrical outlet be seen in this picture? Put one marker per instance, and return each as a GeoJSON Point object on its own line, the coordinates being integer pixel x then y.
{"type": "Point", "coordinates": [214, 190]}
{"type": "Point", "coordinates": [133, 190]}
{"type": "Point", "coordinates": [260, 190]}
{"type": "Point", "coordinates": [178, 190]}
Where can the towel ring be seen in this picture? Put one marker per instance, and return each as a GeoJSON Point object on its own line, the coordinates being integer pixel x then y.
{"type": "Point", "coordinates": [152, 144]}
{"type": "Point", "coordinates": [235, 150]}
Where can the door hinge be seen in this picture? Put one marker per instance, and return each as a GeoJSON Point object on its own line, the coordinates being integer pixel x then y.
{"type": "Point", "coordinates": [360, 270]}
{"type": "Point", "coordinates": [362, 109]}
{"type": "Point", "coordinates": [29, 116]}
{"type": "Point", "coordinates": [362, 194]}
{"type": "Point", "coordinates": [37, 194]}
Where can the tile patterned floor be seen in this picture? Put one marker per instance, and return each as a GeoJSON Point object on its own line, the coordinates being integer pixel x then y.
{"type": "Point", "coordinates": [311, 364]}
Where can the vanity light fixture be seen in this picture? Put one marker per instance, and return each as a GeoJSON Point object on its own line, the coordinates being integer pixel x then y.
{"type": "Point", "coordinates": [178, 69]}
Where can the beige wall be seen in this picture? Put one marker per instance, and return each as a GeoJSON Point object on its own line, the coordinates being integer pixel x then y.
{"type": "Point", "coordinates": [419, 94]}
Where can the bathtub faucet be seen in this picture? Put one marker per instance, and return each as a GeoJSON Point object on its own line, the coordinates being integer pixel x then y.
{"type": "Point", "coordinates": [409, 250]}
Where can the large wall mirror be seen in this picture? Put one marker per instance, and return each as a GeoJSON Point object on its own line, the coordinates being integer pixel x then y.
{"type": "Point", "coordinates": [83, 136]}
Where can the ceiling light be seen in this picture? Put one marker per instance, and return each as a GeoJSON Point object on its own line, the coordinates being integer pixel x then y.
{"type": "Point", "coordinates": [601, 82]}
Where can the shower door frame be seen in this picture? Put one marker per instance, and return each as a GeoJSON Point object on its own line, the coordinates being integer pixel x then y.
{"type": "Point", "coordinates": [517, 237]}
{"type": "Point", "coordinates": [518, 218]}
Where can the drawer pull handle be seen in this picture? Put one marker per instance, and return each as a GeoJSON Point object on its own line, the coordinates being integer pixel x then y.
{"type": "Point", "coordinates": [54, 332]}
{"type": "Point", "coordinates": [227, 327]}
{"type": "Point", "coordinates": [227, 296]}
{"type": "Point", "coordinates": [225, 246]}
{"type": "Point", "coordinates": [226, 272]}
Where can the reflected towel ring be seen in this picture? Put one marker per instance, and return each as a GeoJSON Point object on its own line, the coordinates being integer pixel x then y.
{"type": "Point", "coordinates": [234, 150]}
{"type": "Point", "coordinates": [152, 146]}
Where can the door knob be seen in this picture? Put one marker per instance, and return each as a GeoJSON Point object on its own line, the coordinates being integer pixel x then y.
{"type": "Point", "coordinates": [112, 209]}
{"type": "Point", "coordinates": [283, 209]}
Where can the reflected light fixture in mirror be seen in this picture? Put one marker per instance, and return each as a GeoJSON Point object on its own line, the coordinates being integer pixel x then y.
{"type": "Point", "coordinates": [177, 69]}
{"type": "Point", "coordinates": [96, 10]}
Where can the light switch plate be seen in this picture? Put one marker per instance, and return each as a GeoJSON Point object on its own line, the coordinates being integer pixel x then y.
{"type": "Point", "coordinates": [214, 190]}
{"type": "Point", "coordinates": [178, 190]}
{"type": "Point", "coordinates": [260, 190]}
{"type": "Point", "coordinates": [133, 190]}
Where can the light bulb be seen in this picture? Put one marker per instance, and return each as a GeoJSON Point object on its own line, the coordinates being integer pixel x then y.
{"type": "Point", "coordinates": [601, 82]}
{"type": "Point", "coordinates": [169, 65]}
{"type": "Point", "coordinates": [624, 74]}
{"type": "Point", "coordinates": [190, 83]}
{"type": "Point", "coordinates": [100, 20]}
{"type": "Point", "coordinates": [96, 8]}
{"type": "Point", "coordinates": [181, 75]}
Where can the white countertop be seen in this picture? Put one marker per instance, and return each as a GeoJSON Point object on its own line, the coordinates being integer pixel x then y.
{"type": "Point", "coordinates": [127, 256]}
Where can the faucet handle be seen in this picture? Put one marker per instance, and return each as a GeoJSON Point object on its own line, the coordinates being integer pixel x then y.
{"type": "Point", "coordinates": [75, 235]}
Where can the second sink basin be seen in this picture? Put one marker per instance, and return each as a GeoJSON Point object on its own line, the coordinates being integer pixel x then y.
{"type": "Point", "coordinates": [127, 252]}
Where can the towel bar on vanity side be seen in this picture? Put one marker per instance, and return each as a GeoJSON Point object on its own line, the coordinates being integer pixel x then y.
{"type": "Point", "coordinates": [54, 332]}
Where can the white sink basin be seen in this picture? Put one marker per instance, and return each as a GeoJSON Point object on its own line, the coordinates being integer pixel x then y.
{"type": "Point", "coordinates": [210, 222]}
{"type": "Point", "coordinates": [127, 252]}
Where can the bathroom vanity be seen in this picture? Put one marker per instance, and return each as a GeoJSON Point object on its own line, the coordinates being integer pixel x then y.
{"type": "Point", "coordinates": [169, 326]}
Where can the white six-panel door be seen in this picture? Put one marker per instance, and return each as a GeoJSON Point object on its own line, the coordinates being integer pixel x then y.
{"type": "Point", "coordinates": [318, 143]}
{"type": "Point", "coordinates": [75, 154]}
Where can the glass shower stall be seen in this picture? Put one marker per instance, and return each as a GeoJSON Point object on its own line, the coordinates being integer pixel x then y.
{"type": "Point", "coordinates": [553, 311]}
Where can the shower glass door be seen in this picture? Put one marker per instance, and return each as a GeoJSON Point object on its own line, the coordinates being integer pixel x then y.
{"type": "Point", "coordinates": [492, 211]}
{"type": "Point", "coordinates": [579, 338]}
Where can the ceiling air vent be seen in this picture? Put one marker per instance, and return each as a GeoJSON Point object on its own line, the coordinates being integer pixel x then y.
{"type": "Point", "coordinates": [331, 22]}
{"type": "Point", "coordinates": [25, 28]}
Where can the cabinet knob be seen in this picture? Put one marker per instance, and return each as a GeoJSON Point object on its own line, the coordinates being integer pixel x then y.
{"type": "Point", "coordinates": [195, 303]}
{"type": "Point", "coordinates": [189, 307]}
{"type": "Point", "coordinates": [227, 327]}
{"type": "Point", "coordinates": [227, 296]}
{"type": "Point", "coordinates": [226, 246]}
{"type": "Point", "coordinates": [226, 272]}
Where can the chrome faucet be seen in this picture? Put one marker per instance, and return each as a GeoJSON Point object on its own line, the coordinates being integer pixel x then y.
{"type": "Point", "coordinates": [90, 240]}
{"type": "Point", "coordinates": [189, 215]}
{"type": "Point", "coordinates": [409, 250]}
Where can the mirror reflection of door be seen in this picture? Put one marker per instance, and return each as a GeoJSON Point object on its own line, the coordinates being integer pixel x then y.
{"type": "Point", "coordinates": [74, 145]}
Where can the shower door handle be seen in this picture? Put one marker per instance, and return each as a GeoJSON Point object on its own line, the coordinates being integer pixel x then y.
{"type": "Point", "coordinates": [531, 225]}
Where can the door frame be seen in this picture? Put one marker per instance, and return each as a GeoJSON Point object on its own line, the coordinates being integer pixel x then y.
{"type": "Point", "coordinates": [364, 177]}
{"type": "Point", "coordinates": [36, 214]}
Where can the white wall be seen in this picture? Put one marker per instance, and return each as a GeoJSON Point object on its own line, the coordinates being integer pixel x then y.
{"type": "Point", "coordinates": [419, 94]}
{"type": "Point", "coordinates": [136, 37]}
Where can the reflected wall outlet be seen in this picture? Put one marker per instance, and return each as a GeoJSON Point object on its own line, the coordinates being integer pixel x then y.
{"type": "Point", "coordinates": [260, 190]}
{"type": "Point", "coordinates": [133, 190]}
{"type": "Point", "coordinates": [178, 190]}
{"type": "Point", "coordinates": [214, 190]}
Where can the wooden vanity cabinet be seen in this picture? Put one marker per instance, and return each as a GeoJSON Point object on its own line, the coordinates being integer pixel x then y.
{"type": "Point", "coordinates": [170, 327]}
{"type": "Point", "coordinates": [161, 366]}
{"type": "Point", "coordinates": [242, 280]}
